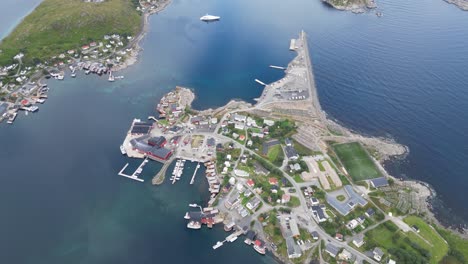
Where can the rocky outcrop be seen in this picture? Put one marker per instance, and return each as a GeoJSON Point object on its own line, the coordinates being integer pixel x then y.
{"type": "Point", "coordinates": [462, 4]}
{"type": "Point", "coordinates": [355, 6]}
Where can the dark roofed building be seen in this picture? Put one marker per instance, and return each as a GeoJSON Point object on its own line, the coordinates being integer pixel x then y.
{"type": "Point", "coordinates": [291, 153]}
{"type": "Point", "coordinates": [160, 153]}
{"type": "Point", "coordinates": [157, 141]}
{"type": "Point", "coordinates": [379, 182]}
{"type": "Point", "coordinates": [211, 142]}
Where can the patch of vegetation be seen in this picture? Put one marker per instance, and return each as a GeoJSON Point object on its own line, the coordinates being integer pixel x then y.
{"type": "Point", "coordinates": [294, 202]}
{"type": "Point", "coordinates": [282, 129]}
{"type": "Point", "coordinates": [276, 155]}
{"type": "Point", "coordinates": [458, 247]}
{"type": "Point", "coordinates": [356, 161]}
{"type": "Point", "coordinates": [403, 247]}
{"type": "Point", "coordinates": [439, 248]}
{"type": "Point", "coordinates": [341, 198]}
{"type": "Point", "coordinates": [56, 26]}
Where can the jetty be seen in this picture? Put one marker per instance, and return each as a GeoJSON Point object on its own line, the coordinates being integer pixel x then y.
{"type": "Point", "coordinates": [194, 174]}
{"type": "Point", "coordinates": [231, 238]}
{"type": "Point", "coordinates": [277, 67]}
{"type": "Point", "coordinates": [178, 170]}
{"type": "Point", "coordinates": [260, 82]}
{"type": "Point", "coordinates": [135, 174]}
{"type": "Point", "coordinates": [160, 176]}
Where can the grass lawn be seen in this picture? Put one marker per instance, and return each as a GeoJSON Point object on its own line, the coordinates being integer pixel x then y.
{"type": "Point", "coordinates": [439, 247]}
{"type": "Point", "coordinates": [356, 161]}
{"type": "Point", "coordinates": [56, 26]}
{"type": "Point", "coordinates": [458, 245]}
{"type": "Point", "coordinates": [294, 202]}
{"type": "Point", "coordinates": [276, 155]}
{"type": "Point", "coordinates": [406, 246]}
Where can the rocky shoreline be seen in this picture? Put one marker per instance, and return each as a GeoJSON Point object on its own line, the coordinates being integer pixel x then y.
{"type": "Point", "coordinates": [462, 4]}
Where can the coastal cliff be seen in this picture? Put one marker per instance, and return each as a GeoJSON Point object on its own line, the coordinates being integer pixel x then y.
{"type": "Point", "coordinates": [462, 4]}
{"type": "Point", "coordinates": [355, 6]}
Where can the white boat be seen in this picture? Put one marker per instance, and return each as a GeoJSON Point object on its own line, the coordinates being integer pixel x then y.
{"type": "Point", "coordinates": [218, 244]}
{"type": "Point", "coordinates": [122, 149]}
{"type": "Point", "coordinates": [208, 18]}
{"type": "Point", "coordinates": [111, 77]}
{"type": "Point", "coordinates": [187, 216]}
{"type": "Point", "coordinates": [232, 239]}
{"type": "Point", "coordinates": [73, 75]}
{"type": "Point", "coordinates": [12, 118]}
{"type": "Point", "coordinates": [194, 225]}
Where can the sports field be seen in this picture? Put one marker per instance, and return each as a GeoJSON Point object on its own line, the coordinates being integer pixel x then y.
{"type": "Point", "coordinates": [356, 161]}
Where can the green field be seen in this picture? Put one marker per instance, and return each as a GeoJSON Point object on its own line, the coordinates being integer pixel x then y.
{"type": "Point", "coordinates": [356, 161]}
{"type": "Point", "coordinates": [404, 248]}
{"type": "Point", "coordinates": [438, 247]}
{"type": "Point", "coordinates": [276, 155]}
{"type": "Point", "coordinates": [458, 252]}
{"type": "Point", "coordinates": [56, 26]}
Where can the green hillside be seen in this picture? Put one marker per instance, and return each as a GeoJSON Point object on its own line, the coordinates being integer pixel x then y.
{"type": "Point", "coordinates": [56, 26]}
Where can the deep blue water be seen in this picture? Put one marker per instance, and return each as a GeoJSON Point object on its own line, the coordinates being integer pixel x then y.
{"type": "Point", "coordinates": [402, 75]}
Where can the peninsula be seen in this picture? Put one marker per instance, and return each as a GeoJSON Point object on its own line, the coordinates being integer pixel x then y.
{"type": "Point", "coordinates": [289, 180]}
{"type": "Point", "coordinates": [60, 35]}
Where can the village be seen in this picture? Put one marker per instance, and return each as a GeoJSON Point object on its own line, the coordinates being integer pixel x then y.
{"type": "Point", "coordinates": [23, 88]}
{"type": "Point", "coordinates": [328, 201]}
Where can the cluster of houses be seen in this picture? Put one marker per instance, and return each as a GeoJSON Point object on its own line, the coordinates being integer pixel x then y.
{"type": "Point", "coordinates": [169, 107]}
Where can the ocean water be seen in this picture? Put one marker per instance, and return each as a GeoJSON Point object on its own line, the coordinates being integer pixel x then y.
{"type": "Point", "coordinates": [401, 76]}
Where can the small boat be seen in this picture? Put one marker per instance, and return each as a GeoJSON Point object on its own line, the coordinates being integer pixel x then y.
{"type": "Point", "coordinates": [208, 18]}
{"type": "Point", "coordinates": [12, 118]}
{"type": "Point", "coordinates": [73, 75]}
{"type": "Point", "coordinates": [194, 225]}
{"type": "Point", "coordinates": [187, 216]}
{"type": "Point", "coordinates": [259, 246]}
{"type": "Point", "coordinates": [111, 77]}
{"type": "Point", "coordinates": [122, 149]}
{"type": "Point", "coordinates": [218, 244]}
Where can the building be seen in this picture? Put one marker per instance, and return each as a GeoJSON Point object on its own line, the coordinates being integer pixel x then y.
{"type": "Point", "coordinates": [288, 142]}
{"type": "Point", "coordinates": [347, 205]}
{"type": "Point", "coordinates": [268, 122]}
{"type": "Point", "coordinates": [370, 212]}
{"type": "Point", "coordinates": [315, 235]}
{"type": "Point", "coordinates": [253, 203]}
{"type": "Point", "coordinates": [291, 153]}
{"type": "Point", "coordinates": [379, 182]}
{"type": "Point", "coordinates": [239, 118]}
{"type": "Point", "coordinates": [250, 183]}
{"type": "Point", "coordinates": [314, 201]}
{"type": "Point", "coordinates": [292, 248]}
{"type": "Point", "coordinates": [332, 250]}
{"type": "Point", "coordinates": [319, 214]}
{"type": "Point", "coordinates": [294, 227]}
{"type": "Point", "coordinates": [345, 255]}
{"type": "Point", "coordinates": [391, 261]}
{"type": "Point", "coordinates": [157, 141]}
{"type": "Point", "coordinates": [285, 198]}
{"type": "Point", "coordinates": [352, 224]}
{"type": "Point", "coordinates": [378, 254]}
{"type": "Point", "coordinates": [232, 201]}
{"type": "Point", "coordinates": [339, 237]}
{"type": "Point", "coordinates": [273, 181]}
{"type": "Point", "coordinates": [358, 240]}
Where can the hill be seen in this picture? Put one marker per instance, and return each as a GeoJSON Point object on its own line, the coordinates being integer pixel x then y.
{"type": "Point", "coordinates": [56, 26]}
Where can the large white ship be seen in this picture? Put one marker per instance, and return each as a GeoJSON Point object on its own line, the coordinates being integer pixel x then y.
{"type": "Point", "coordinates": [208, 18]}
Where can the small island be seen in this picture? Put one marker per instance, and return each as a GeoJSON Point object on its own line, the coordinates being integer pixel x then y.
{"type": "Point", "coordinates": [284, 178]}
{"type": "Point", "coordinates": [355, 6]}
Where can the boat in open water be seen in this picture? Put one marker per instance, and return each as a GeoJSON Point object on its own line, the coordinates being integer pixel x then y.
{"type": "Point", "coordinates": [209, 18]}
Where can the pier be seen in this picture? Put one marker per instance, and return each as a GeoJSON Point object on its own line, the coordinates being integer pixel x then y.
{"type": "Point", "coordinates": [260, 82]}
{"type": "Point", "coordinates": [231, 238]}
{"type": "Point", "coordinates": [161, 175]}
{"type": "Point", "coordinates": [277, 67]}
{"type": "Point", "coordinates": [135, 174]}
{"type": "Point", "coordinates": [194, 173]}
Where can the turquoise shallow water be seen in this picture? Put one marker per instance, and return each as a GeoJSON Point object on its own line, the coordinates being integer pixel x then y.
{"type": "Point", "coordinates": [402, 75]}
